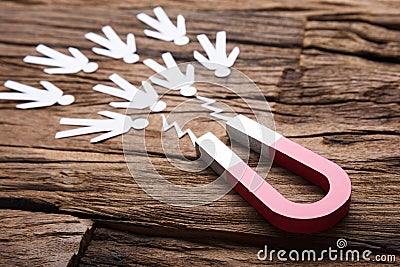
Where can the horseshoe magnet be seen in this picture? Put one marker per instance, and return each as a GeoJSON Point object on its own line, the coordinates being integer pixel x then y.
{"type": "Point", "coordinates": [279, 211]}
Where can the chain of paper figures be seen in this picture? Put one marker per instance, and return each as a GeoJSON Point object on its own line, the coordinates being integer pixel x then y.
{"type": "Point", "coordinates": [114, 47]}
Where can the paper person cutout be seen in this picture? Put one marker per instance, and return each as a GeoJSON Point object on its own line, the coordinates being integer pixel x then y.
{"type": "Point", "coordinates": [166, 30]}
{"type": "Point", "coordinates": [137, 99]}
{"type": "Point", "coordinates": [174, 78]}
{"type": "Point", "coordinates": [217, 58]}
{"type": "Point", "coordinates": [117, 124]}
{"type": "Point", "coordinates": [39, 98]}
{"type": "Point", "coordinates": [65, 64]}
{"type": "Point", "coordinates": [114, 47]}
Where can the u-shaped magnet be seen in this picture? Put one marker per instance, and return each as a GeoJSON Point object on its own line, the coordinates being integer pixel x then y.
{"type": "Point", "coordinates": [279, 211]}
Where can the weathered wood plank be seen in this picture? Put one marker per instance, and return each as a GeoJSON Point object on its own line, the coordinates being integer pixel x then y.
{"type": "Point", "coordinates": [303, 6]}
{"type": "Point", "coordinates": [329, 70]}
{"type": "Point", "coordinates": [41, 239]}
{"type": "Point", "coordinates": [111, 248]}
{"type": "Point", "coordinates": [117, 248]}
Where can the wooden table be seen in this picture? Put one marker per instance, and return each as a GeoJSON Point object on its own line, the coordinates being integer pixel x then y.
{"type": "Point", "coordinates": [329, 70]}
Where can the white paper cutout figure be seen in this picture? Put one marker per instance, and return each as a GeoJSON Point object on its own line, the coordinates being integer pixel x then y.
{"type": "Point", "coordinates": [217, 58]}
{"type": "Point", "coordinates": [114, 46]}
{"type": "Point", "coordinates": [137, 99]}
{"type": "Point", "coordinates": [39, 98]}
{"type": "Point", "coordinates": [65, 64]}
{"type": "Point", "coordinates": [117, 124]}
{"type": "Point", "coordinates": [166, 30]}
{"type": "Point", "coordinates": [174, 78]}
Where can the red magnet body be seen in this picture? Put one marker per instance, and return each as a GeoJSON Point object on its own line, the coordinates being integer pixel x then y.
{"type": "Point", "coordinates": [279, 211]}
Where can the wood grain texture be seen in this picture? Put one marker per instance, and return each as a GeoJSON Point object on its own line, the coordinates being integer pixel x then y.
{"type": "Point", "coordinates": [41, 239]}
{"type": "Point", "coordinates": [117, 248]}
{"type": "Point", "coordinates": [111, 248]}
{"type": "Point", "coordinates": [329, 70]}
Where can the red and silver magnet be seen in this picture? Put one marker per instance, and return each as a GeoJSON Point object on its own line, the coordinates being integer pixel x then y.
{"type": "Point", "coordinates": [281, 212]}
